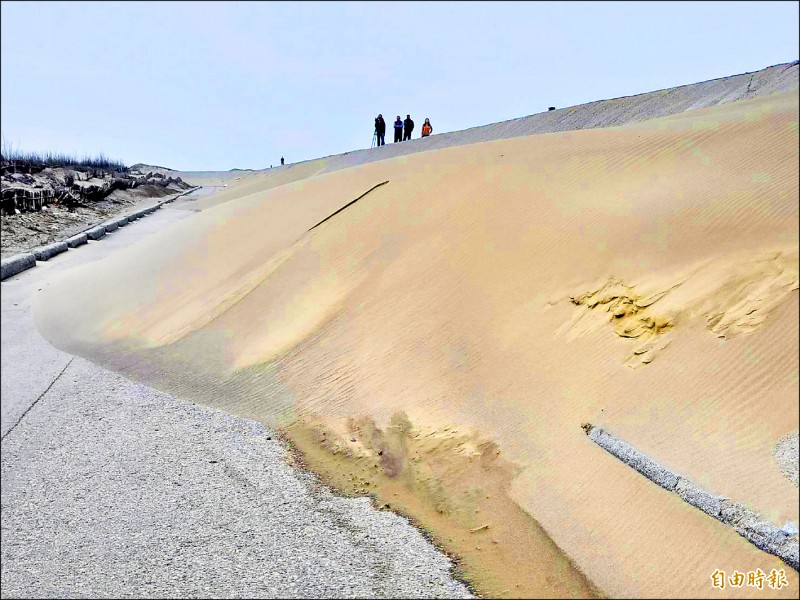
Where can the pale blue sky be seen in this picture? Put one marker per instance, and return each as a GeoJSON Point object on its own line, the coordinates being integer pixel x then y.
{"type": "Point", "coordinates": [213, 86]}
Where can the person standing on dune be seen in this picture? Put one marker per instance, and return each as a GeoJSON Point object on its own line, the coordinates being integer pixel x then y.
{"type": "Point", "coordinates": [408, 127]}
{"type": "Point", "coordinates": [398, 130]}
{"type": "Point", "coordinates": [427, 128]}
{"type": "Point", "coordinates": [380, 130]}
{"type": "Point", "coordinates": [281, 160]}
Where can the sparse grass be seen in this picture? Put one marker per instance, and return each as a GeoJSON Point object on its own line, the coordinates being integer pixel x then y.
{"type": "Point", "coordinates": [9, 155]}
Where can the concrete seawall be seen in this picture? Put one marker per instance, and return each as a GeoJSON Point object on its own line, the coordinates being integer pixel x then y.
{"type": "Point", "coordinates": [782, 543]}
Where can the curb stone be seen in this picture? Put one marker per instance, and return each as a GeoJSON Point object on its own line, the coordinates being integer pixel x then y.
{"type": "Point", "coordinates": [16, 264]}
{"type": "Point", "coordinates": [49, 251]}
{"type": "Point", "coordinates": [77, 240]}
{"type": "Point", "coordinates": [96, 232]}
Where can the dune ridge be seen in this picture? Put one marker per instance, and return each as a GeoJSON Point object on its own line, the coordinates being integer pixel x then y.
{"type": "Point", "coordinates": [500, 289]}
{"type": "Point", "coordinates": [613, 112]}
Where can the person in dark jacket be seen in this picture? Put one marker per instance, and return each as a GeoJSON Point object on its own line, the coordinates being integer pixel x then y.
{"type": "Point", "coordinates": [408, 127]}
{"type": "Point", "coordinates": [380, 130]}
{"type": "Point", "coordinates": [398, 130]}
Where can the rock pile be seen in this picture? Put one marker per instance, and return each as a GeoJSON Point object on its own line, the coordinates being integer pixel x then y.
{"type": "Point", "coordinates": [26, 190]}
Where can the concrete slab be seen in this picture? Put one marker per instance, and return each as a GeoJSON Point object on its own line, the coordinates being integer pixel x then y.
{"type": "Point", "coordinates": [29, 363]}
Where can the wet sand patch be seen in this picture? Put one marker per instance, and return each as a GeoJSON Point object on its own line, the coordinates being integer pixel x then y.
{"type": "Point", "coordinates": [455, 485]}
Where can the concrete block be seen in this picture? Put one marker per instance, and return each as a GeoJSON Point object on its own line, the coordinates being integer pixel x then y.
{"type": "Point", "coordinates": [710, 504]}
{"type": "Point", "coordinates": [49, 251]}
{"type": "Point", "coordinates": [16, 264]}
{"type": "Point", "coordinates": [122, 221]}
{"type": "Point", "coordinates": [110, 226]}
{"type": "Point", "coordinates": [96, 232]}
{"type": "Point", "coordinates": [632, 457]}
{"type": "Point", "coordinates": [782, 543]}
{"type": "Point", "coordinates": [789, 552]}
{"type": "Point", "coordinates": [77, 240]}
{"type": "Point", "coordinates": [762, 534]}
{"type": "Point", "coordinates": [732, 512]}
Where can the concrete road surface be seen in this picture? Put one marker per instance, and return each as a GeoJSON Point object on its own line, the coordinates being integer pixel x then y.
{"type": "Point", "coordinates": [111, 488]}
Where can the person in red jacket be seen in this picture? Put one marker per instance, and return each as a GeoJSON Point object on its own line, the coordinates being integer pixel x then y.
{"type": "Point", "coordinates": [427, 128]}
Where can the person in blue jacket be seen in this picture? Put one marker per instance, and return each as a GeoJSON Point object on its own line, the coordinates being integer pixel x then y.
{"type": "Point", "coordinates": [398, 130]}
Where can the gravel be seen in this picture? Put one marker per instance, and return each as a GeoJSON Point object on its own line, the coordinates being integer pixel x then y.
{"type": "Point", "coordinates": [132, 492]}
{"type": "Point", "coordinates": [787, 455]}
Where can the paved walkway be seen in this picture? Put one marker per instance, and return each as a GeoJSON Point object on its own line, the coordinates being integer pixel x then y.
{"type": "Point", "coordinates": [111, 488]}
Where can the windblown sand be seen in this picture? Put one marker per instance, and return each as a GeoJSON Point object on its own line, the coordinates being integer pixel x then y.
{"type": "Point", "coordinates": [440, 342]}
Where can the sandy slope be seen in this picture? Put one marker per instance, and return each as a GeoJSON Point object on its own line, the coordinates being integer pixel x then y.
{"type": "Point", "coordinates": [642, 278]}
{"type": "Point", "coordinates": [250, 182]}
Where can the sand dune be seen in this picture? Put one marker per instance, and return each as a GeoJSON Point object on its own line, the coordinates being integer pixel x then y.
{"type": "Point", "coordinates": [441, 341]}
{"type": "Point", "coordinates": [236, 184]}
{"type": "Point", "coordinates": [613, 112]}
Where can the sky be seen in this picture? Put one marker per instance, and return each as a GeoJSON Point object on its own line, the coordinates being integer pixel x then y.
{"type": "Point", "coordinates": [201, 86]}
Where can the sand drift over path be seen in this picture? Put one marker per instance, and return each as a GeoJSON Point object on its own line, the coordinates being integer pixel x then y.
{"type": "Point", "coordinates": [441, 341]}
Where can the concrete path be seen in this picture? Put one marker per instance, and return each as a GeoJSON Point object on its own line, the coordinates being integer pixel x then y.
{"type": "Point", "coordinates": [29, 363]}
{"type": "Point", "coordinates": [113, 489]}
